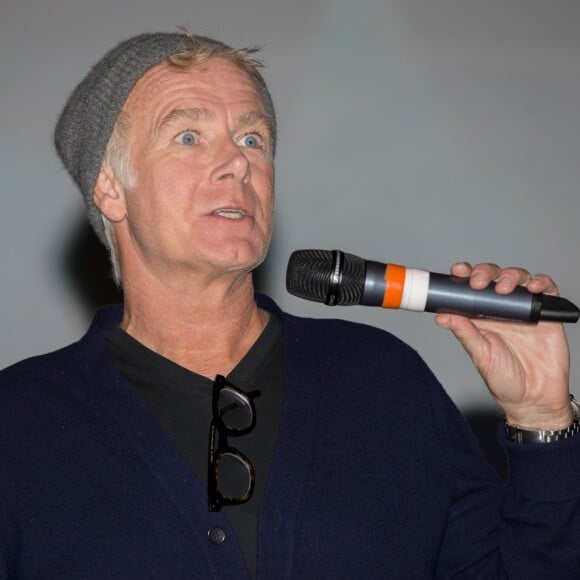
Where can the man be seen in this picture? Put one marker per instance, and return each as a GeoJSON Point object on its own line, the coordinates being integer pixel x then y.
{"type": "Point", "coordinates": [333, 451]}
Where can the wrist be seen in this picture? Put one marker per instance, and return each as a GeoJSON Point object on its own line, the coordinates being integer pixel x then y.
{"type": "Point", "coordinates": [553, 417]}
{"type": "Point", "coordinates": [519, 434]}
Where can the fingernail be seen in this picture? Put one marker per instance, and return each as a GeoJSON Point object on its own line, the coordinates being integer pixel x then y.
{"type": "Point", "coordinates": [502, 284]}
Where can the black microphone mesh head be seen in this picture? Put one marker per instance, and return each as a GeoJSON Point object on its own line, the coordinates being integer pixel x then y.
{"type": "Point", "coordinates": [309, 276]}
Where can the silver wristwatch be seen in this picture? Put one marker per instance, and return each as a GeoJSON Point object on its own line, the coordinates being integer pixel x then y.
{"type": "Point", "coordinates": [521, 435]}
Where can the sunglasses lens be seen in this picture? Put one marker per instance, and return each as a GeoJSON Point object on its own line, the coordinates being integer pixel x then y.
{"type": "Point", "coordinates": [234, 410]}
{"type": "Point", "coordinates": [234, 478]}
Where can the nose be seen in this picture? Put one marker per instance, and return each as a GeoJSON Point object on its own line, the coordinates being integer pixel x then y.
{"type": "Point", "coordinates": [231, 163]}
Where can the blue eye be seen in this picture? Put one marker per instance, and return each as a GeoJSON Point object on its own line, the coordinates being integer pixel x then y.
{"type": "Point", "coordinates": [187, 138]}
{"type": "Point", "coordinates": [252, 140]}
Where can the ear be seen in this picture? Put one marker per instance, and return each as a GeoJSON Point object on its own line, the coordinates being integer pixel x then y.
{"type": "Point", "coordinates": [109, 195]}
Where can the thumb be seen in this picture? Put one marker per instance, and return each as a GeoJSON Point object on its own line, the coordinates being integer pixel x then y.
{"type": "Point", "coordinates": [469, 336]}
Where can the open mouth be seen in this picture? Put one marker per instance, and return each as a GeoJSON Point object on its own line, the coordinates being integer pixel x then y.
{"type": "Point", "coordinates": [232, 214]}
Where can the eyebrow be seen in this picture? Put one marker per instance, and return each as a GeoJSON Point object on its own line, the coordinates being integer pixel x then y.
{"type": "Point", "coordinates": [256, 117]}
{"type": "Point", "coordinates": [195, 114]}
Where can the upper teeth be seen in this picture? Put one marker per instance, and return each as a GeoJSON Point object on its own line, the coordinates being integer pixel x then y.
{"type": "Point", "coordinates": [234, 214]}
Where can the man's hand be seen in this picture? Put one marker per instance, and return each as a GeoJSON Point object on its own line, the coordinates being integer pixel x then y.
{"type": "Point", "coordinates": [525, 366]}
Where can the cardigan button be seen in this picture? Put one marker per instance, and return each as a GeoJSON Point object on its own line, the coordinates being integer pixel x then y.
{"type": "Point", "coordinates": [216, 536]}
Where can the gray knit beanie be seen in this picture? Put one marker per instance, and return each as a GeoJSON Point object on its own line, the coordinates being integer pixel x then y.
{"type": "Point", "coordinates": [87, 121]}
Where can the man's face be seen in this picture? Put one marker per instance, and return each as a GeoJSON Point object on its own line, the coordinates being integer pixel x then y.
{"type": "Point", "coordinates": [200, 148]}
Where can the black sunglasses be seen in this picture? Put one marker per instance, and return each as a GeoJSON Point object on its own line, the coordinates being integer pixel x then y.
{"type": "Point", "coordinates": [231, 475]}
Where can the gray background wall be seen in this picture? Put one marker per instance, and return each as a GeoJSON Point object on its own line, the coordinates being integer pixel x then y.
{"type": "Point", "coordinates": [413, 131]}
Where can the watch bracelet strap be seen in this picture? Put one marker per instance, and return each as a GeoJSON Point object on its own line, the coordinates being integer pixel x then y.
{"type": "Point", "coordinates": [521, 435]}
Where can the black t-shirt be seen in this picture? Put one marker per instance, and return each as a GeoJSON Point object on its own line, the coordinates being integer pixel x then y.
{"type": "Point", "coordinates": [180, 400]}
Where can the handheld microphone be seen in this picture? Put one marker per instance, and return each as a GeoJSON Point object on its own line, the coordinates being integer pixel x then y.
{"type": "Point", "coordinates": [338, 278]}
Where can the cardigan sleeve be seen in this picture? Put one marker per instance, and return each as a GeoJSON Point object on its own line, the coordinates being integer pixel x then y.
{"type": "Point", "coordinates": [540, 524]}
{"type": "Point", "coordinates": [527, 527]}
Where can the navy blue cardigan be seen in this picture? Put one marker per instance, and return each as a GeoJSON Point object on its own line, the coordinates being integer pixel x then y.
{"type": "Point", "coordinates": [375, 475]}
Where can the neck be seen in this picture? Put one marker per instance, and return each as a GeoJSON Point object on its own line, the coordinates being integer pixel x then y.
{"type": "Point", "coordinates": [206, 327]}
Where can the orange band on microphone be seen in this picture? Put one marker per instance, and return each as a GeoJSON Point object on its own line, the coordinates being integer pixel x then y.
{"type": "Point", "coordinates": [395, 279]}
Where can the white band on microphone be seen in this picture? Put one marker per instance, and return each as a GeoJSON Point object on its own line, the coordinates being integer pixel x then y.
{"type": "Point", "coordinates": [415, 290]}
